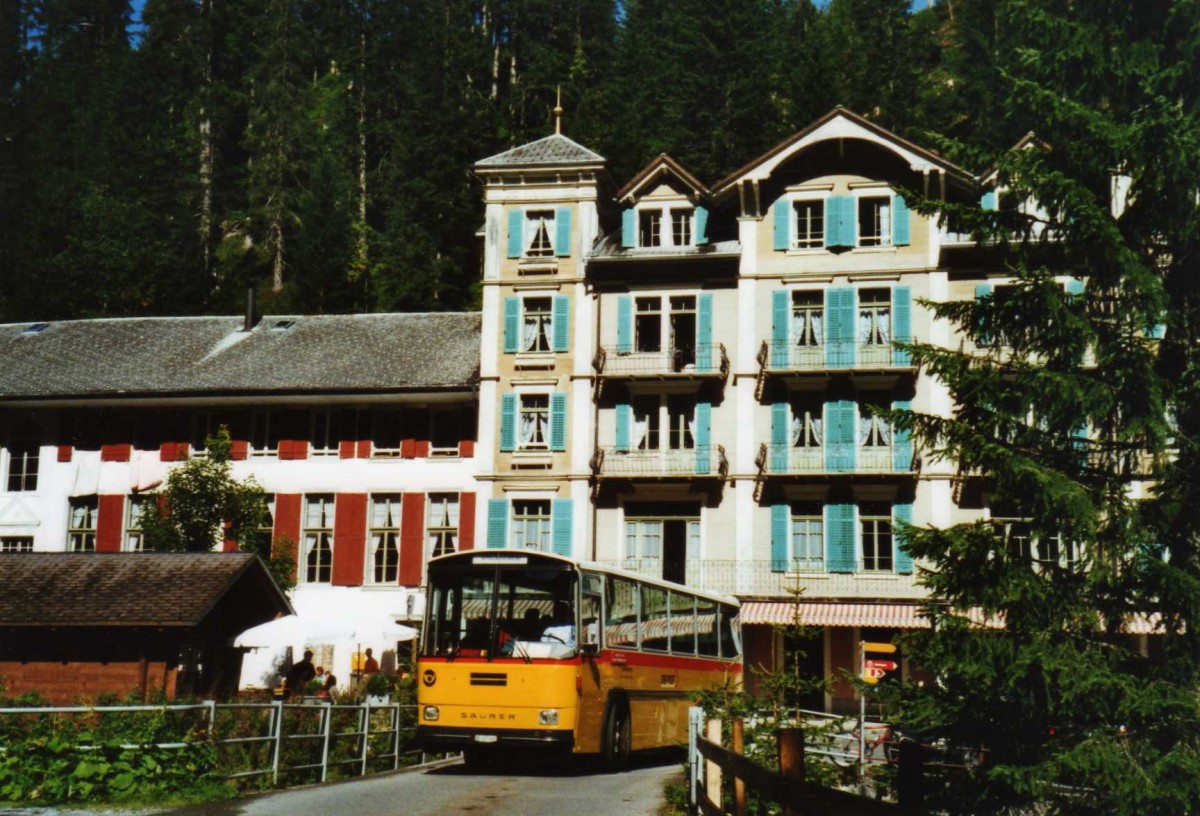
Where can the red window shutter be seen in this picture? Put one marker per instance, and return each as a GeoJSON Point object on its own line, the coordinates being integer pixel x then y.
{"type": "Point", "coordinates": [287, 526]}
{"type": "Point", "coordinates": [229, 544]}
{"type": "Point", "coordinates": [349, 538]}
{"type": "Point", "coordinates": [422, 448]}
{"type": "Point", "coordinates": [110, 513]}
{"type": "Point", "coordinates": [65, 452]}
{"type": "Point", "coordinates": [239, 450]}
{"type": "Point", "coordinates": [364, 449]}
{"type": "Point", "coordinates": [466, 448]}
{"type": "Point", "coordinates": [172, 451]}
{"type": "Point", "coordinates": [293, 449]}
{"type": "Point", "coordinates": [466, 521]}
{"type": "Point", "coordinates": [347, 449]}
{"type": "Point", "coordinates": [412, 538]}
{"type": "Point", "coordinates": [408, 448]}
{"type": "Point", "coordinates": [116, 453]}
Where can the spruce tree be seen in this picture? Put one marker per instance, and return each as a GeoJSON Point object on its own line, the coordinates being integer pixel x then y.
{"type": "Point", "coordinates": [1075, 422]}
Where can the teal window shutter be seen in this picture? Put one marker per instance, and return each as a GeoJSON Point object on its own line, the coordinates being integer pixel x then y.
{"type": "Point", "coordinates": [561, 518]}
{"type": "Point", "coordinates": [1074, 287]}
{"type": "Point", "coordinates": [901, 323]}
{"type": "Point", "coordinates": [900, 218]}
{"type": "Point", "coordinates": [562, 232]}
{"type": "Point", "coordinates": [624, 423]}
{"type": "Point", "coordinates": [841, 419]}
{"type": "Point", "coordinates": [840, 329]}
{"type": "Point", "coordinates": [512, 324]}
{"type": "Point", "coordinates": [988, 200]}
{"type": "Point", "coordinates": [841, 538]}
{"type": "Point", "coordinates": [704, 451]}
{"type": "Point", "coordinates": [903, 561]}
{"type": "Point", "coordinates": [562, 323]}
{"type": "Point", "coordinates": [902, 447]}
{"type": "Point", "coordinates": [629, 228]}
{"type": "Point", "coordinates": [558, 421]}
{"type": "Point", "coordinates": [508, 422]}
{"type": "Point", "coordinates": [982, 291]}
{"type": "Point", "coordinates": [781, 213]}
{"type": "Point", "coordinates": [701, 225]}
{"type": "Point", "coordinates": [497, 524]}
{"type": "Point", "coordinates": [624, 324]}
{"type": "Point", "coordinates": [1158, 331]}
{"type": "Point", "coordinates": [781, 320]}
{"type": "Point", "coordinates": [704, 333]}
{"type": "Point", "coordinates": [516, 237]}
{"type": "Point", "coordinates": [781, 415]}
{"type": "Point", "coordinates": [839, 221]}
{"type": "Point", "coordinates": [781, 529]}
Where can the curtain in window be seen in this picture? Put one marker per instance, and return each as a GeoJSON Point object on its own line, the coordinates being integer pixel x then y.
{"type": "Point", "coordinates": [875, 326]}
{"type": "Point", "coordinates": [641, 425]}
{"type": "Point", "coordinates": [543, 421]}
{"type": "Point", "coordinates": [800, 327]}
{"type": "Point", "coordinates": [797, 429]}
{"type": "Point", "coordinates": [807, 329]}
{"type": "Point", "coordinates": [528, 426]}
{"type": "Point", "coordinates": [874, 431]}
{"type": "Point", "coordinates": [530, 333]}
{"type": "Point", "coordinates": [815, 429]}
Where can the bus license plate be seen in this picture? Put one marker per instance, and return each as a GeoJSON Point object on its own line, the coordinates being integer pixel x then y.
{"type": "Point", "coordinates": [486, 737]}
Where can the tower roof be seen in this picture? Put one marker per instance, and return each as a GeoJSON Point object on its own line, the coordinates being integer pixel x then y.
{"type": "Point", "coordinates": [554, 149]}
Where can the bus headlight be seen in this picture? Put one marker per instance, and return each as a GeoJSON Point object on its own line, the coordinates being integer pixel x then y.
{"type": "Point", "coordinates": [548, 716]}
{"type": "Point", "coordinates": [431, 712]}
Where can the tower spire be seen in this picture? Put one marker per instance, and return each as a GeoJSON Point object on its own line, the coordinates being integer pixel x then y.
{"type": "Point", "coordinates": [558, 111]}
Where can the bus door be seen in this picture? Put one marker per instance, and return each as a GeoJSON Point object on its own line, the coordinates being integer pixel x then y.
{"type": "Point", "coordinates": [591, 696]}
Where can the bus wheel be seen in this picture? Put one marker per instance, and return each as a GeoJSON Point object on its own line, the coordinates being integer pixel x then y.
{"type": "Point", "coordinates": [476, 758]}
{"type": "Point", "coordinates": [616, 737]}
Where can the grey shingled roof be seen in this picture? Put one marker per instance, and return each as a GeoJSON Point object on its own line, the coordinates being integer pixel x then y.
{"type": "Point", "coordinates": [211, 356]}
{"type": "Point", "coordinates": [554, 149]}
{"type": "Point", "coordinates": [609, 248]}
{"type": "Point", "coordinates": [121, 589]}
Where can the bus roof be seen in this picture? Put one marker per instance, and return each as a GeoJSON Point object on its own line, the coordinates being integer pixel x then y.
{"type": "Point", "coordinates": [588, 565]}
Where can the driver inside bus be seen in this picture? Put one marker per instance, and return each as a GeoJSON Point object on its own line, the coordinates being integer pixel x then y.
{"type": "Point", "coordinates": [562, 626]}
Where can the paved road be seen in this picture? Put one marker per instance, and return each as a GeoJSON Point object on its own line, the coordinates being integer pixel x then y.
{"type": "Point", "coordinates": [549, 789]}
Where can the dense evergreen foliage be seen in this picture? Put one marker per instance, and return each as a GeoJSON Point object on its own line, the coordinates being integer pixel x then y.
{"type": "Point", "coordinates": [321, 149]}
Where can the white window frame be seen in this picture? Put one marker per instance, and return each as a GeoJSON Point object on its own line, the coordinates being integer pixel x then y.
{"type": "Point", "coordinates": [534, 446]}
{"type": "Point", "coordinates": [24, 464]}
{"type": "Point", "coordinates": [667, 308]}
{"type": "Point", "coordinates": [887, 233]}
{"type": "Point", "coordinates": [794, 241]}
{"type": "Point", "coordinates": [16, 544]}
{"type": "Point", "coordinates": [82, 538]}
{"type": "Point", "coordinates": [665, 210]}
{"type": "Point", "coordinates": [260, 430]}
{"type": "Point", "coordinates": [132, 539]}
{"type": "Point", "coordinates": [317, 537]}
{"type": "Point", "coordinates": [543, 536]}
{"type": "Point", "coordinates": [322, 444]}
{"type": "Point", "coordinates": [381, 532]}
{"type": "Point", "coordinates": [807, 524]}
{"type": "Point", "coordinates": [532, 220]}
{"type": "Point", "coordinates": [875, 520]}
{"type": "Point", "coordinates": [545, 331]}
{"type": "Point", "coordinates": [442, 520]}
{"type": "Point", "coordinates": [669, 436]}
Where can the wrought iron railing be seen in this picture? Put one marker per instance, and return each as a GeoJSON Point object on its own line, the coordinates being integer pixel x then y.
{"type": "Point", "coordinates": [781, 460]}
{"type": "Point", "coordinates": [704, 360]}
{"type": "Point", "coordinates": [779, 355]}
{"type": "Point", "coordinates": [701, 461]}
{"type": "Point", "coordinates": [763, 578]}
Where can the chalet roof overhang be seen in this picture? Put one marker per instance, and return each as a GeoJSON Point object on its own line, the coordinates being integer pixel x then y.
{"type": "Point", "coordinates": [663, 166]}
{"type": "Point", "coordinates": [201, 399]}
{"type": "Point", "coordinates": [841, 123]}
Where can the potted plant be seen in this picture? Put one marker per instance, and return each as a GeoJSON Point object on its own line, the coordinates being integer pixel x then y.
{"type": "Point", "coordinates": [379, 689]}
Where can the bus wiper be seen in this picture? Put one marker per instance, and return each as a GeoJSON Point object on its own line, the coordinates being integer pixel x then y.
{"type": "Point", "coordinates": [453, 653]}
{"type": "Point", "coordinates": [520, 644]}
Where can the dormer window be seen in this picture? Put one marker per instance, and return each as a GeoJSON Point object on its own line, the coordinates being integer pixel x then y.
{"type": "Point", "coordinates": [809, 224]}
{"type": "Point", "coordinates": [652, 219]}
{"type": "Point", "coordinates": [681, 227]}
{"type": "Point", "coordinates": [539, 233]}
{"type": "Point", "coordinates": [650, 228]}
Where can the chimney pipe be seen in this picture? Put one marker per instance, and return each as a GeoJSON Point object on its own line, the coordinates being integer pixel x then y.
{"type": "Point", "coordinates": [251, 309]}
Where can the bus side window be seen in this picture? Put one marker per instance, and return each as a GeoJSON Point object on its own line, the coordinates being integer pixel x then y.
{"type": "Point", "coordinates": [655, 637]}
{"type": "Point", "coordinates": [620, 626]}
{"type": "Point", "coordinates": [729, 645]}
{"type": "Point", "coordinates": [683, 624]}
{"type": "Point", "coordinates": [707, 644]}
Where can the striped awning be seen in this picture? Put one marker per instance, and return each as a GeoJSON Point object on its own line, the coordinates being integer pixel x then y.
{"type": "Point", "coordinates": [784, 613]}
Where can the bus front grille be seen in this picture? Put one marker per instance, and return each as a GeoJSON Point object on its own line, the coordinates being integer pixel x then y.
{"type": "Point", "coordinates": [489, 679]}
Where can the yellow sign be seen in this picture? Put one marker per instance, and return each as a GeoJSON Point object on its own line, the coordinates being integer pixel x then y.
{"type": "Point", "coordinates": [886, 648]}
{"type": "Point", "coordinates": [870, 680]}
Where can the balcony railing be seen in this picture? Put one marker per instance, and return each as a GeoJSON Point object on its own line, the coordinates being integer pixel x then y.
{"type": "Point", "coordinates": [780, 356]}
{"type": "Point", "coordinates": [705, 360]}
{"type": "Point", "coordinates": [706, 461]}
{"type": "Point", "coordinates": [782, 460]}
{"type": "Point", "coordinates": [760, 578]}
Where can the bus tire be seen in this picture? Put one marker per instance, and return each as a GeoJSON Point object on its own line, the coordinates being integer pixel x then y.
{"type": "Point", "coordinates": [617, 737]}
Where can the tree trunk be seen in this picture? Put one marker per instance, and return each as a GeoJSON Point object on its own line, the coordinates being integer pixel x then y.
{"type": "Point", "coordinates": [206, 147]}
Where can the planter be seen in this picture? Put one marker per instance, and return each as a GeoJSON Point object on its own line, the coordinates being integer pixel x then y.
{"type": "Point", "coordinates": [379, 699]}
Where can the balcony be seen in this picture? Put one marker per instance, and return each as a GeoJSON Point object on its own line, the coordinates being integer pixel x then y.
{"type": "Point", "coordinates": [707, 361]}
{"type": "Point", "coordinates": [707, 462]}
{"type": "Point", "coordinates": [760, 579]}
{"type": "Point", "coordinates": [829, 459]}
{"type": "Point", "coordinates": [780, 357]}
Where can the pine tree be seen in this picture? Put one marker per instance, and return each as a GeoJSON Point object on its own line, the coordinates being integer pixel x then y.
{"type": "Point", "coordinates": [1061, 420]}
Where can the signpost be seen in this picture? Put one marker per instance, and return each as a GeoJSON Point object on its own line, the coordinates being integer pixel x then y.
{"type": "Point", "coordinates": [871, 671]}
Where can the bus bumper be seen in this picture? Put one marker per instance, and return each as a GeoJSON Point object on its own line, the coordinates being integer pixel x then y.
{"type": "Point", "coordinates": [433, 739]}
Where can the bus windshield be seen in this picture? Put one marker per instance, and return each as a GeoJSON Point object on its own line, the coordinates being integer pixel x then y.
{"type": "Point", "coordinates": [502, 611]}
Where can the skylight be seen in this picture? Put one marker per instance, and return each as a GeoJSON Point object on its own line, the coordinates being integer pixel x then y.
{"type": "Point", "coordinates": [35, 328]}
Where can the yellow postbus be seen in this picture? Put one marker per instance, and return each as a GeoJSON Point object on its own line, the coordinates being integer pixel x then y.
{"type": "Point", "coordinates": [523, 649]}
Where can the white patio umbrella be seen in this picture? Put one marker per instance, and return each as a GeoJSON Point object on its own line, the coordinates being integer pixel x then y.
{"type": "Point", "coordinates": [294, 629]}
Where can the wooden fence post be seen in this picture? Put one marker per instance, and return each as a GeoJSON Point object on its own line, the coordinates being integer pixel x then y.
{"type": "Point", "coordinates": [910, 789]}
{"type": "Point", "coordinates": [712, 771]}
{"type": "Point", "coordinates": [791, 758]}
{"type": "Point", "coordinates": [739, 784]}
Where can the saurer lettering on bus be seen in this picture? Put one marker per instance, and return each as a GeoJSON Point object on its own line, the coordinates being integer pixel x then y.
{"type": "Point", "coordinates": [487, 715]}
